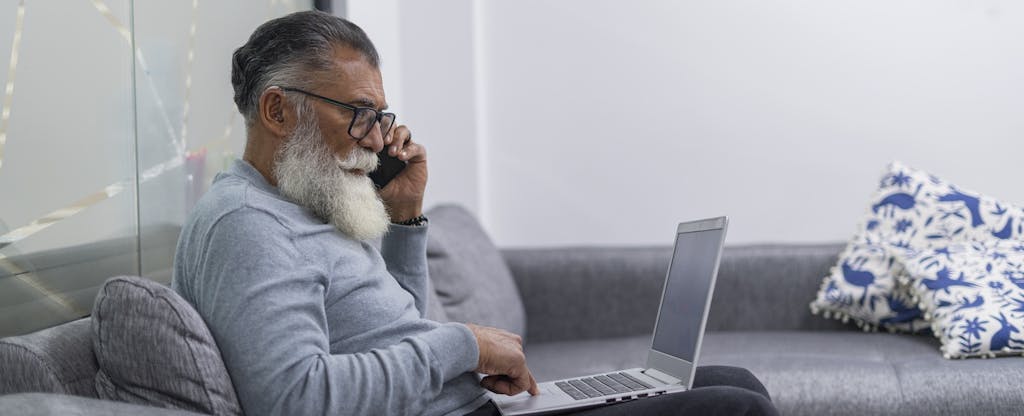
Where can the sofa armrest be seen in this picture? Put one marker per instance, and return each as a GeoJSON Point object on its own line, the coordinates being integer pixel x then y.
{"type": "Point", "coordinates": [589, 292]}
{"type": "Point", "coordinates": [48, 404]}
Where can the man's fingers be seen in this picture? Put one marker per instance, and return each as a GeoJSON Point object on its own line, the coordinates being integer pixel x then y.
{"type": "Point", "coordinates": [521, 379]}
{"type": "Point", "coordinates": [491, 383]}
{"type": "Point", "coordinates": [525, 382]}
{"type": "Point", "coordinates": [534, 390]}
{"type": "Point", "coordinates": [399, 144]}
{"type": "Point", "coordinates": [522, 383]}
{"type": "Point", "coordinates": [501, 385]}
{"type": "Point", "coordinates": [390, 137]}
{"type": "Point", "coordinates": [412, 152]}
{"type": "Point", "coordinates": [508, 387]}
{"type": "Point", "coordinates": [400, 137]}
{"type": "Point", "coordinates": [487, 383]}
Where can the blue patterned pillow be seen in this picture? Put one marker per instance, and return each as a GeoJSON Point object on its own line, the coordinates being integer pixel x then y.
{"type": "Point", "coordinates": [973, 294]}
{"type": "Point", "coordinates": [912, 210]}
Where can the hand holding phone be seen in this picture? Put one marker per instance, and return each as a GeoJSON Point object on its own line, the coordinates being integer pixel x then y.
{"type": "Point", "coordinates": [403, 197]}
{"type": "Point", "coordinates": [388, 167]}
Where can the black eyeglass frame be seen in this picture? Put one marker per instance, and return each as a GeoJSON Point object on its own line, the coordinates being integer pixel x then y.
{"type": "Point", "coordinates": [378, 115]}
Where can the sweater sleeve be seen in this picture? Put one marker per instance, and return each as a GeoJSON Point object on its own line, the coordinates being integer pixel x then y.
{"type": "Point", "coordinates": [404, 250]}
{"type": "Point", "coordinates": [265, 307]}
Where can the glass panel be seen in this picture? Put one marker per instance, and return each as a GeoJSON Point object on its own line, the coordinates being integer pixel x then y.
{"type": "Point", "coordinates": [67, 168]}
{"type": "Point", "coordinates": [72, 155]}
{"type": "Point", "coordinates": [189, 128]}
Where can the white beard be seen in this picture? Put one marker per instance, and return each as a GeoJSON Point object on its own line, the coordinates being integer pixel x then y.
{"type": "Point", "coordinates": [309, 174]}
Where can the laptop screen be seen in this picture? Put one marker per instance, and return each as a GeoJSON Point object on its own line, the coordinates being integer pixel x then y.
{"type": "Point", "coordinates": [686, 291]}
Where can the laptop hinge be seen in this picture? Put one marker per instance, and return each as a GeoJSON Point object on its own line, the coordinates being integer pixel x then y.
{"type": "Point", "coordinates": [662, 377]}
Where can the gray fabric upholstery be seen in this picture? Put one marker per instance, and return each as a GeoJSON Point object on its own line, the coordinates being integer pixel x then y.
{"type": "Point", "coordinates": [852, 372]}
{"type": "Point", "coordinates": [614, 291]}
{"type": "Point", "coordinates": [822, 373]}
{"type": "Point", "coordinates": [622, 287]}
{"type": "Point", "coordinates": [759, 320]}
{"type": "Point", "coordinates": [153, 348]}
{"type": "Point", "coordinates": [39, 404]}
{"type": "Point", "coordinates": [55, 360]}
{"type": "Point", "coordinates": [778, 278]}
{"type": "Point", "coordinates": [469, 274]}
{"type": "Point", "coordinates": [838, 373]}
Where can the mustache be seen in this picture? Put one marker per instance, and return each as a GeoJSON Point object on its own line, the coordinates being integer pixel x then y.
{"type": "Point", "coordinates": [359, 159]}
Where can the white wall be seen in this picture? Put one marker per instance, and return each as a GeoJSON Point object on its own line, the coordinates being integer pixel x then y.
{"type": "Point", "coordinates": [606, 122]}
{"type": "Point", "coordinates": [379, 19]}
{"type": "Point", "coordinates": [427, 65]}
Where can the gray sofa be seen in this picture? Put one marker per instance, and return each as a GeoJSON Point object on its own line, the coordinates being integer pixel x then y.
{"type": "Point", "coordinates": [759, 320]}
{"type": "Point", "coordinates": [591, 309]}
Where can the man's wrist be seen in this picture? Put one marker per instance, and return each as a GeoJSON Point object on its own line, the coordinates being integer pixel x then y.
{"type": "Point", "coordinates": [400, 216]}
{"type": "Point", "coordinates": [479, 347]}
{"type": "Point", "coordinates": [413, 222]}
{"type": "Point", "coordinates": [455, 347]}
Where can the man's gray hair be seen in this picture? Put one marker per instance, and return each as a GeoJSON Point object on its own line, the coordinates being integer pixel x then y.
{"type": "Point", "coordinates": [291, 51]}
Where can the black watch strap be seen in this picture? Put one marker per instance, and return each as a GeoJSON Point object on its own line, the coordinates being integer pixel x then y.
{"type": "Point", "coordinates": [415, 222]}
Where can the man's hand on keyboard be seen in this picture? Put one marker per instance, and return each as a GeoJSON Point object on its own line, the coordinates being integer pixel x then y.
{"type": "Point", "coordinates": [503, 362]}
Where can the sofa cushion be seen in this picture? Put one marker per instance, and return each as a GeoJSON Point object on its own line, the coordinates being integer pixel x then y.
{"type": "Point", "coordinates": [472, 280]}
{"type": "Point", "coordinates": [973, 294]}
{"type": "Point", "coordinates": [40, 404]}
{"type": "Point", "coordinates": [822, 373]}
{"type": "Point", "coordinates": [153, 348]}
{"type": "Point", "coordinates": [851, 373]}
{"type": "Point", "coordinates": [817, 373]}
{"type": "Point", "coordinates": [911, 209]}
{"type": "Point", "coordinates": [55, 360]}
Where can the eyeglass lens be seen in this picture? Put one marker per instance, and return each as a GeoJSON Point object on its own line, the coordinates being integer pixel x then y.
{"type": "Point", "coordinates": [365, 119]}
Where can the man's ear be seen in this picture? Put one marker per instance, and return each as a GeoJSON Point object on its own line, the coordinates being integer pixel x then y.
{"type": "Point", "coordinates": [275, 114]}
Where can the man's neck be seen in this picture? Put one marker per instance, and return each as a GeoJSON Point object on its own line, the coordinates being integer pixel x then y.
{"type": "Point", "coordinates": [260, 155]}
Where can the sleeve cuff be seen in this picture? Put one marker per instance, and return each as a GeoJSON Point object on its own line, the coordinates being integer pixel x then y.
{"type": "Point", "coordinates": [405, 247]}
{"type": "Point", "coordinates": [454, 347]}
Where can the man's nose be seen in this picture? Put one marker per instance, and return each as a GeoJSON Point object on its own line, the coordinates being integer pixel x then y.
{"type": "Point", "coordinates": [373, 140]}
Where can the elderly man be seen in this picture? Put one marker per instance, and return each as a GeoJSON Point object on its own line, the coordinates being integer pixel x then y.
{"type": "Point", "coordinates": [309, 317]}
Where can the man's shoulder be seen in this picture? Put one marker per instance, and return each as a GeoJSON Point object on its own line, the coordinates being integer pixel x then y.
{"type": "Point", "coordinates": [233, 200]}
{"type": "Point", "coordinates": [232, 222]}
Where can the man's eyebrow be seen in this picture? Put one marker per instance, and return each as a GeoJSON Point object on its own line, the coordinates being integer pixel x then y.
{"type": "Point", "coordinates": [366, 102]}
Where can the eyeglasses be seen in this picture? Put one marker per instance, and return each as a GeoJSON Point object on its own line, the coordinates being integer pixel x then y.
{"type": "Point", "coordinates": [362, 121]}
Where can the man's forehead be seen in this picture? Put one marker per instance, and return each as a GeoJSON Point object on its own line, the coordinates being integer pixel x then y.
{"type": "Point", "coordinates": [355, 79]}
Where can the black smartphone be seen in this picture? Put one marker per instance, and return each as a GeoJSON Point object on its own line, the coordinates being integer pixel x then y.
{"type": "Point", "coordinates": [388, 167]}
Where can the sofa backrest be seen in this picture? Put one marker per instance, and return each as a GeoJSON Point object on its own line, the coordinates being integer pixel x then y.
{"type": "Point", "coordinates": [55, 360]}
{"type": "Point", "coordinates": [768, 287]}
{"type": "Point", "coordinates": [595, 292]}
{"type": "Point", "coordinates": [471, 280]}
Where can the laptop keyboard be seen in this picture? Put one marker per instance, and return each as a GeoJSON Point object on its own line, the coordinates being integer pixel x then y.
{"type": "Point", "coordinates": [603, 385]}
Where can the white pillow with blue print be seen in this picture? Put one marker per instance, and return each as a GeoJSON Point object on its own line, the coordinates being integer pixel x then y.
{"type": "Point", "coordinates": [913, 210]}
{"type": "Point", "coordinates": [973, 294]}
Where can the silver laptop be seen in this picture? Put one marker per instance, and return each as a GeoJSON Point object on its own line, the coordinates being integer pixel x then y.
{"type": "Point", "coordinates": [675, 346]}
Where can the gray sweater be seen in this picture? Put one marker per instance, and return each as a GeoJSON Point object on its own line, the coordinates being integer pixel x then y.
{"type": "Point", "coordinates": [311, 322]}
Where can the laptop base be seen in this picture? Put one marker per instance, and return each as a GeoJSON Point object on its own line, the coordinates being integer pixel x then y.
{"type": "Point", "coordinates": [553, 399]}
